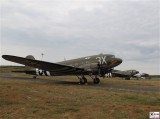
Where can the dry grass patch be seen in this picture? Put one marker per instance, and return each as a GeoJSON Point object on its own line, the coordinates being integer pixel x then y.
{"type": "Point", "coordinates": [28, 99]}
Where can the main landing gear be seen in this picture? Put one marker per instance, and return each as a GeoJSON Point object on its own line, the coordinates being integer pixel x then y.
{"type": "Point", "coordinates": [83, 80]}
{"type": "Point", "coordinates": [96, 80]}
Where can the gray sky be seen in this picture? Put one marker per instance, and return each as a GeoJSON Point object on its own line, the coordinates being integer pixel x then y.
{"type": "Point", "coordinates": [75, 28]}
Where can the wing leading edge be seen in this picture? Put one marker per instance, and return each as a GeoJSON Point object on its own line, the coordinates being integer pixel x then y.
{"type": "Point", "coordinates": [52, 67]}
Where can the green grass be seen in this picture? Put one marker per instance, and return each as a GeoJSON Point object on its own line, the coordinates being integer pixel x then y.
{"type": "Point", "coordinates": [147, 100]}
{"type": "Point", "coordinates": [155, 76]}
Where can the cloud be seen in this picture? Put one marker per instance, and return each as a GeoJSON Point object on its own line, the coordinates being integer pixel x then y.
{"type": "Point", "coordinates": [128, 29]}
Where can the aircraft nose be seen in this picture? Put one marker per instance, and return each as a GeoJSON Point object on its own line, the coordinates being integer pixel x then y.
{"type": "Point", "coordinates": [118, 60]}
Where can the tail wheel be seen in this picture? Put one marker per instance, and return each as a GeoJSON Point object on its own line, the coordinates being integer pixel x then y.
{"type": "Point", "coordinates": [127, 78]}
{"type": "Point", "coordinates": [34, 77]}
{"type": "Point", "coordinates": [96, 80]}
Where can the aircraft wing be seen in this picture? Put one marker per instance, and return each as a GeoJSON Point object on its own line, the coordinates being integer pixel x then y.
{"type": "Point", "coordinates": [53, 67]}
{"type": "Point", "coordinates": [120, 73]}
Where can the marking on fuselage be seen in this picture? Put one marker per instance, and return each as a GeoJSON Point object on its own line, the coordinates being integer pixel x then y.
{"type": "Point", "coordinates": [87, 57]}
{"type": "Point", "coordinates": [42, 72]}
{"type": "Point", "coordinates": [102, 59]}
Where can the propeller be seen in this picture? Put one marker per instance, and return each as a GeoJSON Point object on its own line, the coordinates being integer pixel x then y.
{"type": "Point", "coordinates": [101, 70]}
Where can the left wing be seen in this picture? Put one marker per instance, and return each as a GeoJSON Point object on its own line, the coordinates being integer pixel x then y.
{"type": "Point", "coordinates": [52, 67]}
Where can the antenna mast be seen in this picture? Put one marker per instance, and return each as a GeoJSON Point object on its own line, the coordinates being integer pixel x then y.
{"type": "Point", "coordinates": [42, 55]}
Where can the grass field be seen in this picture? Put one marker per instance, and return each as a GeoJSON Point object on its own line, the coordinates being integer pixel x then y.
{"type": "Point", "coordinates": [22, 99]}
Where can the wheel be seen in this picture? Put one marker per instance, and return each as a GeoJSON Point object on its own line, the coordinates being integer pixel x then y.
{"type": "Point", "coordinates": [96, 81]}
{"type": "Point", "coordinates": [83, 80]}
{"type": "Point", "coordinates": [127, 78]}
{"type": "Point", "coordinates": [34, 77]}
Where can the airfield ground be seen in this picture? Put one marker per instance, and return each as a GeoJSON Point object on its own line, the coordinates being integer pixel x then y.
{"type": "Point", "coordinates": [20, 99]}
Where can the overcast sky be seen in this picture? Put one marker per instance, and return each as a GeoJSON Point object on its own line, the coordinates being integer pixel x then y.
{"type": "Point", "coordinates": [129, 29]}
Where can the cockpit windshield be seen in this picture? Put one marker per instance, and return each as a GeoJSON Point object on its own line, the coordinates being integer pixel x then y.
{"type": "Point", "coordinates": [110, 56]}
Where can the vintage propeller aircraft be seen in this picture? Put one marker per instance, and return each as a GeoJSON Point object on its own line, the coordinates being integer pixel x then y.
{"type": "Point", "coordinates": [94, 66]}
{"type": "Point", "coordinates": [142, 76]}
{"type": "Point", "coordinates": [127, 74]}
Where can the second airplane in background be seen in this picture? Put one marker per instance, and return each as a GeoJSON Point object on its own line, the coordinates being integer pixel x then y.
{"type": "Point", "coordinates": [127, 74]}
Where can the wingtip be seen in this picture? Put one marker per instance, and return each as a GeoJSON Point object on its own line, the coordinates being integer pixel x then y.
{"type": "Point", "coordinates": [3, 56]}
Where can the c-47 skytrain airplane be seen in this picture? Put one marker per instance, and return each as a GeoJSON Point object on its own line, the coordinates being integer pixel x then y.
{"type": "Point", "coordinates": [96, 65]}
{"type": "Point", "coordinates": [128, 74]}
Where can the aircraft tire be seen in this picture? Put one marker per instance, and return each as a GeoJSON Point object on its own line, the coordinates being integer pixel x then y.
{"type": "Point", "coordinates": [127, 78]}
{"type": "Point", "coordinates": [83, 80]}
{"type": "Point", "coordinates": [34, 77]}
{"type": "Point", "coordinates": [96, 81]}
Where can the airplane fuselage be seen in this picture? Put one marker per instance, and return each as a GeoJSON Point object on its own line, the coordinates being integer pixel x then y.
{"type": "Point", "coordinates": [107, 60]}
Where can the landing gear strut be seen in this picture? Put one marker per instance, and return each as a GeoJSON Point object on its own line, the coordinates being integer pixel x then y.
{"type": "Point", "coordinates": [82, 80]}
{"type": "Point", "coordinates": [96, 80]}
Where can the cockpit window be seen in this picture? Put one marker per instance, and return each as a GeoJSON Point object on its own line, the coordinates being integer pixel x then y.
{"type": "Point", "coordinates": [108, 56]}
{"type": "Point", "coordinates": [111, 56]}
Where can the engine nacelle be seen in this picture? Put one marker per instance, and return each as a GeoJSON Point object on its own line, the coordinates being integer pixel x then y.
{"type": "Point", "coordinates": [35, 71]}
